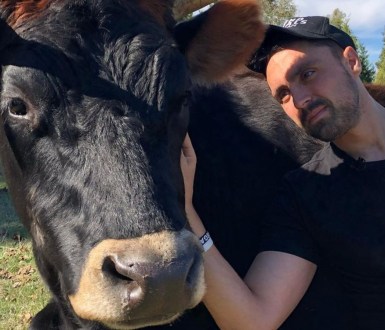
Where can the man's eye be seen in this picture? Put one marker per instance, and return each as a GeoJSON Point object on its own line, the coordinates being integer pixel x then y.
{"type": "Point", "coordinates": [307, 74]}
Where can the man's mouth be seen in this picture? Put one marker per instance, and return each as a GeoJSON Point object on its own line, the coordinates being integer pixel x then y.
{"type": "Point", "coordinates": [316, 114]}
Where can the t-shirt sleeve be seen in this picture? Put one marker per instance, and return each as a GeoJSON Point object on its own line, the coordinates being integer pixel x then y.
{"type": "Point", "coordinates": [283, 228]}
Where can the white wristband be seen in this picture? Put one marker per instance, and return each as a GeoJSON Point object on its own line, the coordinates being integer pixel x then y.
{"type": "Point", "coordinates": [206, 241]}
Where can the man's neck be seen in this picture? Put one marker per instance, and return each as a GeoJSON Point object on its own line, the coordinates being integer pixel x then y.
{"type": "Point", "coordinates": [367, 139]}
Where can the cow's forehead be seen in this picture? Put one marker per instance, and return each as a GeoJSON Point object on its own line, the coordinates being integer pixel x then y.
{"type": "Point", "coordinates": [99, 45]}
{"type": "Point", "coordinates": [17, 12]}
{"type": "Point", "coordinates": [89, 26]}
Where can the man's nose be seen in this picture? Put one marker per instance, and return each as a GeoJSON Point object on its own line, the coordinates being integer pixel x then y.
{"type": "Point", "coordinates": [301, 97]}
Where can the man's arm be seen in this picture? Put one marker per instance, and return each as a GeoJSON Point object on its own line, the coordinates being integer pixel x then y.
{"type": "Point", "coordinates": [272, 288]}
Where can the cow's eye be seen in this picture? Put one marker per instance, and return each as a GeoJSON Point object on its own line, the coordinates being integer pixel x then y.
{"type": "Point", "coordinates": [17, 107]}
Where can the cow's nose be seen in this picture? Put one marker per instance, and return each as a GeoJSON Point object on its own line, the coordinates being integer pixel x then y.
{"type": "Point", "coordinates": [154, 278]}
{"type": "Point", "coordinates": [147, 280]}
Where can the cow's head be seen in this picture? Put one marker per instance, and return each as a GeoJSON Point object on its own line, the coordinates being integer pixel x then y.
{"type": "Point", "coordinates": [93, 110]}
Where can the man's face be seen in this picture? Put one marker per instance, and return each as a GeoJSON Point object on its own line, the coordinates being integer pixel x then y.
{"type": "Point", "coordinates": [316, 89]}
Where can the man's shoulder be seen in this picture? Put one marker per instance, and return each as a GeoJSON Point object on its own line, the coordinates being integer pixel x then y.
{"type": "Point", "coordinates": [321, 163]}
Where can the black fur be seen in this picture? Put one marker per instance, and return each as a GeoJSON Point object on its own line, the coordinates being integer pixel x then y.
{"type": "Point", "coordinates": [244, 144]}
{"type": "Point", "coordinates": [103, 85]}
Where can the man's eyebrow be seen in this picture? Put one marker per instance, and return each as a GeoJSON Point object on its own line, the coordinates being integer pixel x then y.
{"type": "Point", "coordinates": [294, 71]}
{"type": "Point", "coordinates": [298, 68]}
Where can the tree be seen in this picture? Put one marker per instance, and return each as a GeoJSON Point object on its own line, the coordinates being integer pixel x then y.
{"type": "Point", "coordinates": [380, 76]}
{"type": "Point", "coordinates": [277, 11]}
{"type": "Point", "coordinates": [368, 71]}
{"type": "Point", "coordinates": [339, 19]}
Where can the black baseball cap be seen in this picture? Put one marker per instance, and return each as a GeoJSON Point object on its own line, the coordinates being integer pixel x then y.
{"type": "Point", "coordinates": [307, 28]}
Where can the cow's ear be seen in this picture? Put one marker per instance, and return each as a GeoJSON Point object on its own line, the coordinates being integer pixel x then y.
{"type": "Point", "coordinates": [221, 40]}
{"type": "Point", "coordinates": [7, 35]}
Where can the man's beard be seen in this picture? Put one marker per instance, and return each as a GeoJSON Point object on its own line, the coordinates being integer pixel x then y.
{"type": "Point", "coordinates": [340, 118]}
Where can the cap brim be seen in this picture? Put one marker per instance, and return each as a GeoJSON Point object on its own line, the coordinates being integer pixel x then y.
{"type": "Point", "coordinates": [274, 35]}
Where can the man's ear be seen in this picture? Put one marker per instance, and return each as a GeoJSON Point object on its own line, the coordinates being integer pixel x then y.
{"type": "Point", "coordinates": [353, 60]}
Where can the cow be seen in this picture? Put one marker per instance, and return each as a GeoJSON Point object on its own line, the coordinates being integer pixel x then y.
{"type": "Point", "coordinates": [377, 91]}
{"type": "Point", "coordinates": [94, 109]}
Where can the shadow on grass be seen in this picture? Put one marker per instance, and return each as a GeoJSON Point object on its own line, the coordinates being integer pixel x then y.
{"type": "Point", "coordinates": [11, 227]}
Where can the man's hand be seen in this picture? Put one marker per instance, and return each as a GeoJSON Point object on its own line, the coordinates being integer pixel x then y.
{"type": "Point", "coordinates": [188, 162]}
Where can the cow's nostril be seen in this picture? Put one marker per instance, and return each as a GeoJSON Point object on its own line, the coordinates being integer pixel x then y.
{"type": "Point", "coordinates": [115, 271]}
{"type": "Point", "coordinates": [124, 276]}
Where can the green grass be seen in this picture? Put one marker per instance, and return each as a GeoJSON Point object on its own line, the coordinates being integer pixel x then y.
{"type": "Point", "coordinates": [22, 293]}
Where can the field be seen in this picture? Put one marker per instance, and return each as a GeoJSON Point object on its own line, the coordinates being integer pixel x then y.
{"type": "Point", "coordinates": [22, 293]}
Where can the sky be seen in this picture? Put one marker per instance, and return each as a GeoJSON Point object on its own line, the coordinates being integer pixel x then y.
{"type": "Point", "coordinates": [366, 19]}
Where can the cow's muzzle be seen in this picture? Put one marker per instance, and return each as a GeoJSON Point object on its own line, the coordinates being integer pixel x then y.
{"type": "Point", "coordinates": [132, 283]}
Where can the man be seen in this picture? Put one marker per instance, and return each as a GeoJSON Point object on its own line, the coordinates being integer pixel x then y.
{"type": "Point", "coordinates": [330, 212]}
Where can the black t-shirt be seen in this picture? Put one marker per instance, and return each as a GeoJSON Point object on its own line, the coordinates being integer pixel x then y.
{"type": "Point", "coordinates": [331, 212]}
